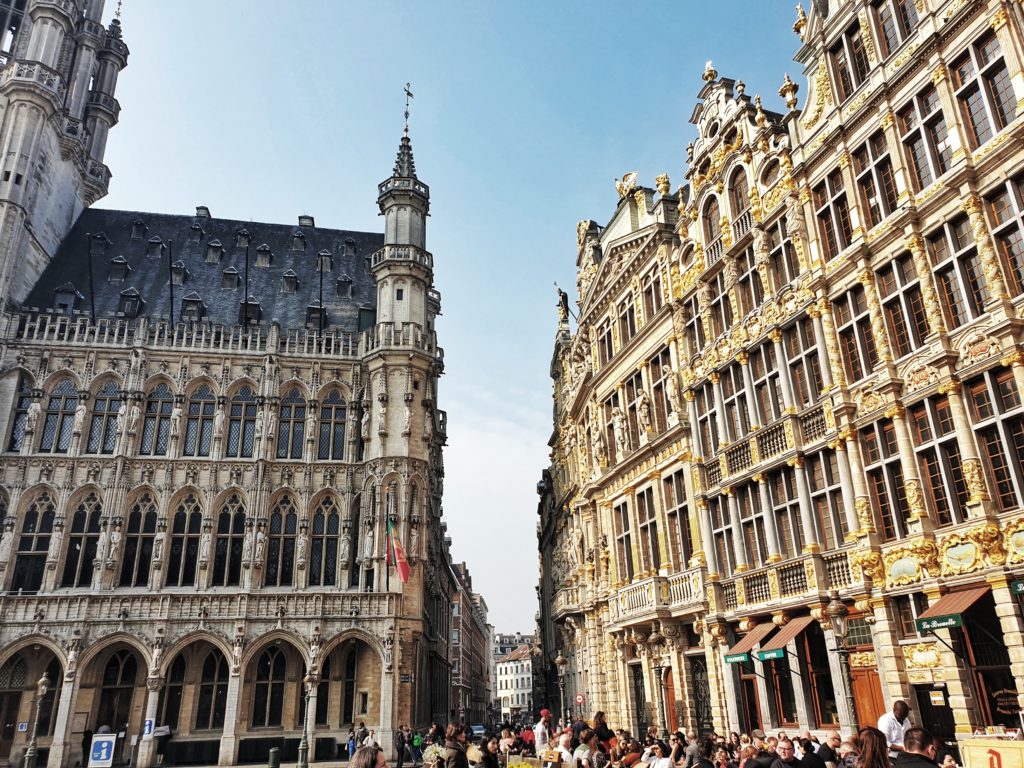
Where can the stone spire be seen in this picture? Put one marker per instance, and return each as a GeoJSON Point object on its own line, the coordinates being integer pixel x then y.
{"type": "Point", "coordinates": [405, 166]}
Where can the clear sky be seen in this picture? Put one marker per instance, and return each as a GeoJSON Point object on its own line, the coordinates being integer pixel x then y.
{"type": "Point", "coordinates": [524, 113]}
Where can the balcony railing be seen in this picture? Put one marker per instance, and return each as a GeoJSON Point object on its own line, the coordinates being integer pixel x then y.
{"type": "Point", "coordinates": [713, 252]}
{"type": "Point", "coordinates": [742, 224]}
{"type": "Point", "coordinates": [837, 565]}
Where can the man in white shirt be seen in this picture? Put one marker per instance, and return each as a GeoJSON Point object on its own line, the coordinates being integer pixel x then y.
{"type": "Point", "coordinates": [894, 725]}
{"type": "Point", "coordinates": [541, 731]}
{"type": "Point", "coordinates": [564, 742]}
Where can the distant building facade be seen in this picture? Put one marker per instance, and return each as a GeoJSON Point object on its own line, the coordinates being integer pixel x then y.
{"type": "Point", "coordinates": [798, 381]}
{"type": "Point", "coordinates": [470, 652]}
{"type": "Point", "coordinates": [210, 429]}
{"type": "Point", "coordinates": [514, 675]}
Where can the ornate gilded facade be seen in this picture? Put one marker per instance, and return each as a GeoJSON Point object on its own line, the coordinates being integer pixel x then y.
{"type": "Point", "coordinates": [210, 428]}
{"type": "Point", "coordinates": [799, 372]}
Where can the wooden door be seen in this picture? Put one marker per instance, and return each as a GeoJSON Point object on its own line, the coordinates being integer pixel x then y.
{"type": "Point", "coordinates": [670, 702]}
{"type": "Point", "coordinates": [867, 695]}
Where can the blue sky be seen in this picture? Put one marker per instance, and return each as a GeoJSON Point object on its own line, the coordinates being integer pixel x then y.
{"type": "Point", "coordinates": [524, 113]}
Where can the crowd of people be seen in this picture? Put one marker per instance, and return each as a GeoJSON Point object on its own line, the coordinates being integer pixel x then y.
{"type": "Point", "coordinates": [895, 743]}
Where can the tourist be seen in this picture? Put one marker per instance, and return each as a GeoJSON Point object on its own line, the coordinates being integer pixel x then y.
{"type": "Point", "coordinates": [455, 746]}
{"type": "Point", "coordinates": [583, 756]}
{"type": "Point", "coordinates": [747, 753]}
{"type": "Point", "coordinates": [847, 755]}
{"type": "Point", "coordinates": [873, 748]}
{"type": "Point", "coordinates": [722, 758]}
{"type": "Point", "coordinates": [809, 758]}
{"type": "Point", "coordinates": [827, 751]}
{"type": "Point", "coordinates": [564, 747]}
{"type": "Point", "coordinates": [542, 731]}
{"type": "Point", "coordinates": [785, 755]}
{"type": "Point", "coordinates": [676, 748]}
{"type": "Point", "coordinates": [604, 733]}
{"type": "Point", "coordinates": [371, 739]}
{"type": "Point", "coordinates": [919, 750]}
{"type": "Point", "coordinates": [691, 754]}
{"type": "Point", "coordinates": [369, 757]}
{"type": "Point", "coordinates": [893, 725]}
{"type": "Point", "coordinates": [490, 753]}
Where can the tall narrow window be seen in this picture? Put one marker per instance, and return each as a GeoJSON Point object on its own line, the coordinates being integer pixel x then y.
{"type": "Point", "coordinates": [660, 373]}
{"type": "Point", "coordinates": [755, 541]}
{"type": "Point", "coordinates": [835, 231]}
{"type": "Point", "coordinates": [885, 477]}
{"type": "Point", "coordinates": [186, 528]}
{"type": "Point", "coordinates": [963, 289]}
{"type": "Point", "coordinates": [213, 692]}
{"type": "Point", "coordinates": [281, 544]}
{"type": "Point", "coordinates": [804, 366]}
{"type": "Point", "coordinates": [856, 341]}
{"type": "Point", "coordinates": [712, 222]}
{"type": "Point", "coordinates": [169, 705]}
{"type": "Point", "coordinates": [1006, 207]}
{"type": "Point", "coordinates": [242, 423]}
{"type": "Point", "coordinates": [33, 544]}
{"type": "Point", "coordinates": [323, 556]}
{"type": "Point", "coordinates": [721, 307]}
{"type": "Point", "coordinates": [673, 489]}
{"type": "Point", "coordinates": [332, 427]}
{"type": "Point", "coordinates": [897, 19]}
{"type": "Point", "coordinates": [903, 305]}
{"type": "Point", "coordinates": [650, 286]}
{"type": "Point", "coordinates": [734, 400]}
{"type": "Point", "coordinates": [323, 693]}
{"type": "Point", "coordinates": [83, 537]}
{"type": "Point", "coordinates": [785, 266]}
{"type": "Point", "coordinates": [723, 533]}
{"type": "Point", "coordinates": [984, 90]}
{"type": "Point", "coordinates": [822, 470]}
{"type": "Point", "coordinates": [634, 391]}
{"type": "Point", "coordinates": [767, 384]}
{"type": "Point", "coordinates": [739, 200]}
{"type": "Point", "coordinates": [694, 326]}
{"type": "Point", "coordinates": [850, 61]}
{"type": "Point", "coordinates": [748, 283]}
{"type": "Point", "coordinates": [119, 683]}
{"type": "Point", "coordinates": [998, 420]}
{"type": "Point", "coordinates": [268, 693]}
{"type": "Point", "coordinates": [627, 319]}
{"type": "Point", "coordinates": [291, 425]}
{"type": "Point", "coordinates": [876, 180]}
{"type": "Point", "coordinates": [199, 430]}
{"type": "Point", "coordinates": [925, 137]}
{"type": "Point", "coordinates": [623, 542]}
{"type": "Point", "coordinates": [605, 345]}
{"type": "Point", "coordinates": [102, 425]}
{"type": "Point", "coordinates": [938, 457]}
{"type": "Point", "coordinates": [647, 526]}
{"type": "Point", "coordinates": [19, 421]}
{"type": "Point", "coordinates": [786, 509]}
{"type": "Point", "coordinates": [60, 418]}
{"type": "Point", "coordinates": [156, 427]}
{"type": "Point", "coordinates": [707, 419]}
{"type": "Point", "coordinates": [227, 563]}
{"type": "Point", "coordinates": [138, 542]}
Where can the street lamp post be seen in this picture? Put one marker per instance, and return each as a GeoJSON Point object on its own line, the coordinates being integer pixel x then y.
{"type": "Point", "coordinates": [310, 682]}
{"type": "Point", "coordinates": [838, 615]}
{"type": "Point", "coordinates": [561, 662]}
{"type": "Point", "coordinates": [31, 754]}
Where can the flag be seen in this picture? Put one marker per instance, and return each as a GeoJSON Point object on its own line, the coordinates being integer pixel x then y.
{"type": "Point", "coordinates": [396, 555]}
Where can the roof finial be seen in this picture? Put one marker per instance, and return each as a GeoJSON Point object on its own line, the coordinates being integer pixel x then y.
{"type": "Point", "coordinates": [408, 95]}
{"type": "Point", "coordinates": [117, 13]}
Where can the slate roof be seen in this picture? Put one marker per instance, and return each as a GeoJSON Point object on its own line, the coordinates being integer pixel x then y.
{"type": "Point", "coordinates": [149, 267]}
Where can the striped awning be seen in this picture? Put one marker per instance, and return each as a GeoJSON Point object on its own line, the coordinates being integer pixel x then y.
{"type": "Point", "coordinates": [740, 651]}
{"type": "Point", "coordinates": [788, 632]}
{"type": "Point", "coordinates": [946, 611]}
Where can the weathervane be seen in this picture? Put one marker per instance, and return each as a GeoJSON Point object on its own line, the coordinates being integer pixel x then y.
{"type": "Point", "coordinates": [117, 13]}
{"type": "Point", "coordinates": [408, 95]}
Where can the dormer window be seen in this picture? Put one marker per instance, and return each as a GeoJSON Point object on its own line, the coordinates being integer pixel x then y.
{"type": "Point", "coordinates": [229, 279]}
{"type": "Point", "coordinates": [214, 250]}
{"type": "Point", "coordinates": [66, 298]}
{"type": "Point", "coordinates": [196, 233]}
{"type": "Point", "coordinates": [139, 229]}
{"type": "Point", "coordinates": [289, 281]}
{"type": "Point", "coordinates": [242, 238]}
{"type": "Point", "coordinates": [345, 287]}
{"type": "Point", "coordinates": [298, 240]}
{"type": "Point", "coordinates": [178, 272]}
{"type": "Point", "coordinates": [315, 315]}
{"type": "Point", "coordinates": [192, 308]}
{"type": "Point", "coordinates": [249, 311]}
{"type": "Point", "coordinates": [155, 248]}
{"type": "Point", "coordinates": [119, 270]}
{"type": "Point", "coordinates": [324, 261]}
{"type": "Point", "coordinates": [264, 256]}
{"type": "Point", "coordinates": [348, 250]}
{"type": "Point", "coordinates": [98, 245]}
{"type": "Point", "coordinates": [305, 220]}
{"type": "Point", "coordinates": [130, 303]}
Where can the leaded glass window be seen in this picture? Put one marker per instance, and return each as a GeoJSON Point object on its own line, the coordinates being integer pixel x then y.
{"type": "Point", "coordinates": [292, 425]}
{"type": "Point", "coordinates": [83, 538]}
{"type": "Point", "coordinates": [60, 418]}
{"type": "Point", "coordinates": [332, 427]}
{"type": "Point", "coordinates": [242, 424]}
{"type": "Point", "coordinates": [103, 422]}
{"type": "Point", "coordinates": [199, 430]}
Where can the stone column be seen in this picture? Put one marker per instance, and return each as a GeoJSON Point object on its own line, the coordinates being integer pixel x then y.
{"type": "Point", "coordinates": [784, 381]}
{"type": "Point", "coordinates": [228, 740]}
{"type": "Point", "coordinates": [979, 502]}
{"type": "Point", "coordinates": [932, 308]}
{"type": "Point", "coordinates": [919, 519]}
{"type": "Point", "coordinates": [738, 547]}
{"type": "Point", "coordinates": [691, 409]}
{"type": "Point", "coordinates": [387, 707]}
{"type": "Point", "coordinates": [61, 743]}
{"type": "Point", "coordinates": [147, 747]}
{"type": "Point", "coordinates": [753, 410]}
{"type": "Point", "coordinates": [878, 330]}
{"type": "Point", "coordinates": [770, 523]}
{"type": "Point", "coordinates": [846, 485]}
{"type": "Point", "coordinates": [847, 719]}
{"type": "Point", "coordinates": [862, 500]}
{"type": "Point", "coordinates": [708, 539]}
{"type": "Point", "coordinates": [819, 343]}
{"type": "Point", "coordinates": [812, 544]}
{"type": "Point", "coordinates": [716, 388]}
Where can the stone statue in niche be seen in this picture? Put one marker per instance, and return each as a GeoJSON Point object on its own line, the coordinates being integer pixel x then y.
{"type": "Point", "coordinates": [644, 412]}
{"type": "Point", "coordinates": [79, 422]}
{"type": "Point", "coordinates": [175, 421]}
{"type": "Point", "coordinates": [364, 428]}
{"type": "Point", "coordinates": [672, 388]}
{"type": "Point", "coordinates": [345, 548]}
{"type": "Point", "coordinates": [134, 414]}
{"type": "Point", "coordinates": [368, 547]}
{"type": "Point", "coordinates": [33, 416]}
{"type": "Point", "coordinates": [218, 422]}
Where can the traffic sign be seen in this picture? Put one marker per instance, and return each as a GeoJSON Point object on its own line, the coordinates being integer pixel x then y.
{"type": "Point", "coordinates": [579, 698]}
{"type": "Point", "coordinates": [101, 754]}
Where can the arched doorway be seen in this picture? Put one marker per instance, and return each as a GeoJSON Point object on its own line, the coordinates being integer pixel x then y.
{"type": "Point", "coordinates": [19, 676]}
{"type": "Point", "coordinates": [273, 702]}
{"type": "Point", "coordinates": [193, 702]}
{"type": "Point", "coordinates": [112, 690]}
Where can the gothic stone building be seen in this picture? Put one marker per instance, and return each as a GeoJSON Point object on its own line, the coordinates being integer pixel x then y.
{"type": "Point", "coordinates": [208, 427]}
{"type": "Point", "coordinates": [800, 376]}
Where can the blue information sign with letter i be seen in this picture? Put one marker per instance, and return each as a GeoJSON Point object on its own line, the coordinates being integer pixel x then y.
{"type": "Point", "coordinates": [147, 728]}
{"type": "Point", "coordinates": [101, 755]}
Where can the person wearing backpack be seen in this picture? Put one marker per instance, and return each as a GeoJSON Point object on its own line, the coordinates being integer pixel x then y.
{"type": "Point", "coordinates": [417, 748]}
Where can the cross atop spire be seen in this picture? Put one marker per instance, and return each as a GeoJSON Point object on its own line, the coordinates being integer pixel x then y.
{"type": "Point", "coordinates": [117, 13]}
{"type": "Point", "coordinates": [408, 95]}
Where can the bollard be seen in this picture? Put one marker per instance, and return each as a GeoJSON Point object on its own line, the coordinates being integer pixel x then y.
{"type": "Point", "coordinates": [274, 761]}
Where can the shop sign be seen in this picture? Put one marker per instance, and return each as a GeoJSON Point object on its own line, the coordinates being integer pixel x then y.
{"type": "Point", "coordinates": [1006, 701]}
{"type": "Point", "coordinates": [1017, 587]}
{"type": "Point", "coordinates": [777, 653]}
{"type": "Point", "coordinates": [736, 658]}
{"type": "Point", "coordinates": [937, 699]}
{"type": "Point", "coordinates": [940, 622]}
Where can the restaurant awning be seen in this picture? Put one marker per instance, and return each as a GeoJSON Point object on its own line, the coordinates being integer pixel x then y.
{"type": "Point", "coordinates": [776, 647]}
{"type": "Point", "coordinates": [948, 609]}
{"type": "Point", "coordinates": [741, 651]}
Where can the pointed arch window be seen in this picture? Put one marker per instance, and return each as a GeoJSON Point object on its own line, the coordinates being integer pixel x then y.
{"type": "Point", "coordinates": [242, 424]}
{"type": "Point", "coordinates": [138, 542]}
{"type": "Point", "coordinates": [22, 400]}
{"type": "Point", "coordinates": [323, 557]}
{"type": "Point", "coordinates": [268, 695]}
{"type": "Point", "coordinates": [119, 678]}
{"type": "Point", "coordinates": [102, 425]}
{"type": "Point", "coordinates": [332, 427]}
{"type": "Point", "coordinates": [82, 541]}
{"type": "Point", "coordinates": [60, 418]}
{"type": "Point", "coordinates": [157, 426]}
{"type": "Point", "coordinates": [291, 425]}
{"type": "Point", "coordinates": [48, 704]}
{"type": "Point", "coordinates": [199, 429]}
{"type": "Point", "coordinates": [170, 697]}
{"type": "Point", "coordinates": [213, 693]}
{"type": "Point", "coordinates": [281, 544]}
{"type": "Point", "coordinates": [36, 529]}
{"type": "Point", "coordinates": [13, 681]}
{"type": "Point", "coordinates": [227, 563]}
{"type": "Point", "coordinates": [185, 531]}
